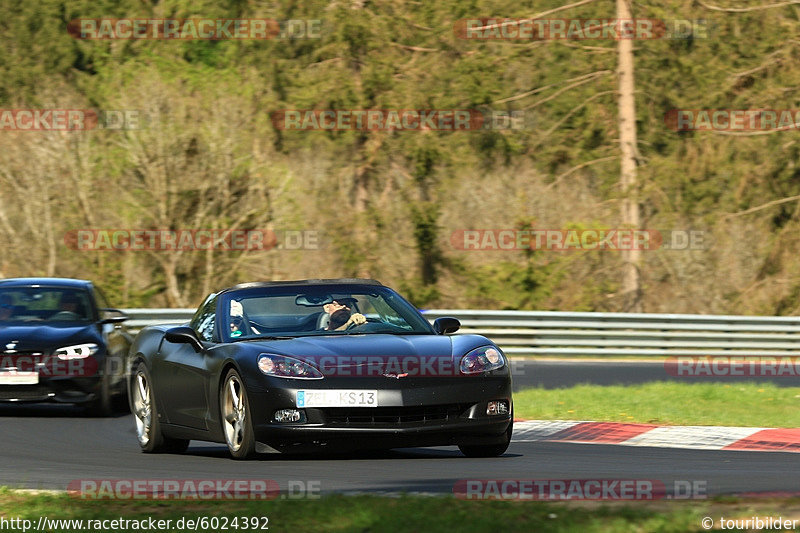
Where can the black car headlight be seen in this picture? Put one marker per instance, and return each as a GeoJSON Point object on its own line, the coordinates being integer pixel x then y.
{"type": "Point", "coordinates": [77, 351]}
{"type": "Point", "coordinates": [481, 360]}
{"type": "Point", "coordinates": [286, 367]}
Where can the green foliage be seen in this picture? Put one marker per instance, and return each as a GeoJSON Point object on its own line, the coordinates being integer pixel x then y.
{"type": "Point", "coordinates": [389, 201]}
{"type": "Point", "coordinates": [406, 513]}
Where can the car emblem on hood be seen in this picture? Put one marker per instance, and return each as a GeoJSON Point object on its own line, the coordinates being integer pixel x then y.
{"type": "Point", "coordinates": [395, 376]}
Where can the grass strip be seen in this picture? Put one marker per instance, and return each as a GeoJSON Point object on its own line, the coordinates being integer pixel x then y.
{"type": "Point", "coordinates": [666, 403]}
{"type": "Point", "coordinates": [410, 513]}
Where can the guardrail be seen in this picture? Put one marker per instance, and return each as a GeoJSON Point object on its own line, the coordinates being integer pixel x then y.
{"type": "Point", "coordinates": [598, 334]}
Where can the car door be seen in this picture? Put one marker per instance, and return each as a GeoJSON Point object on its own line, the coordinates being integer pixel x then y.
{"type": "Point", "coordinates": [183, 374]}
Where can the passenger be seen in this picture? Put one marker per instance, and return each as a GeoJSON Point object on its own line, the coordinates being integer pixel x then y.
{"type": "Point", "coordinates": [237, 324]}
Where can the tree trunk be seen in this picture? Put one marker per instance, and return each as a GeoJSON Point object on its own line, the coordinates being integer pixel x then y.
{"type": "Point", "coordinates": [631, 284]}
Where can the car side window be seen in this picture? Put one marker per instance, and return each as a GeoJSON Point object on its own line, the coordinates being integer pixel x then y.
{"type": "Point", "coordinates": [205, 319]}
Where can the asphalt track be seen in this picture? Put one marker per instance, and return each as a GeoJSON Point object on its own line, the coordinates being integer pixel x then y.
{"type": "Point", "coordinates": [48, 446]}
{"type": "Point", "coordinates": [554, 374]}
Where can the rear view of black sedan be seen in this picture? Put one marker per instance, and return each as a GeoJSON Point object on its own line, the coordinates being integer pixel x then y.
{"type": "Point", "coordinates": [60, 342]}
{"type": "Point", "coordinates": [318, 365]}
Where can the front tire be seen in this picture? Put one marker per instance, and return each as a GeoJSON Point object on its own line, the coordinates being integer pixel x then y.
{"type": "Point", "coordinates": [145, 412]}
{"type": "Point", "coordinates": [102, 405]}
{"type": "Point", "coordinates": [237, 424]}
{"type": "Point", "coordinates": [489, 450]}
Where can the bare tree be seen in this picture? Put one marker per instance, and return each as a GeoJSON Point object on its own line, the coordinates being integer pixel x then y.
{"type": "Point", "coordinates": [183, 177]}
{"type": "Point", "coordinates": [631, 282]}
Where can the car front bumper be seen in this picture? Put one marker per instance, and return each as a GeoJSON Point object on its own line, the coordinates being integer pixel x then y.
{"type": "Point", "coordinates": [411, 412]}
{"type": "Point", "coordinates": [61, 390]}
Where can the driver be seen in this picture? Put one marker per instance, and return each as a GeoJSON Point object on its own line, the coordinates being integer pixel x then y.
{"type": "Point", "coordinates": [342, 317]}
{"type": "Point", "coordinates": [69, 303]}
{"type": "Point", "coordinates": [6, 306]}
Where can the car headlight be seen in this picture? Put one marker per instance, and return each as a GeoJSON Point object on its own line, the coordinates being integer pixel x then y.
{"type": "Point", "coordinates": [286, 367]}
{"type": "Point", "coordinates": [78, 351]}
{"type": "Point", "coordinates": [481, 360]}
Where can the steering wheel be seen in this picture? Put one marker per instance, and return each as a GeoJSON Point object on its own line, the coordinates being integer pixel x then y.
{"type": "Point", "coordinates": [353, 325]}
{"type": "Point", "coordinates": [65, 315]}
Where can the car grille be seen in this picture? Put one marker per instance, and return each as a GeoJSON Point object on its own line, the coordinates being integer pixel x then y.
{"type": "Point", "coordinates": [24, 392]}
{"type": "Point", "coordinates": [387, 416]}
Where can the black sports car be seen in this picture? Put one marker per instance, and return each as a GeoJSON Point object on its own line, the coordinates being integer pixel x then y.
{"type": "Point", "coordinates": [318, 364]}
{"type": "Point", "coordinates": [60, 341]}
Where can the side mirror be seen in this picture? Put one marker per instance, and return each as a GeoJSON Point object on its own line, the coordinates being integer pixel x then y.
{"type": "Point", "coordinates": [445, 325]}
{"type": "Point", "coordinates": [112, 316]}
{"type": "Point", "coordinates": [184, 335]}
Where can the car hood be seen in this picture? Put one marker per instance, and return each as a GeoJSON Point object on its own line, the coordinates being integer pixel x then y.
{"type": "Point", "coordinates": [350, 350]}
{"type": "Point", "coordinates": [43, 337]}
{"type": "Point", "coordinates": [374, 354]}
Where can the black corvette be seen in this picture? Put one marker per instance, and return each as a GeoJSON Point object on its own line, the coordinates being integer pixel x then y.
{"type": "Point", "coordinates": [318, 365]}
{"type": "Point", "coordinates": [59, 341]}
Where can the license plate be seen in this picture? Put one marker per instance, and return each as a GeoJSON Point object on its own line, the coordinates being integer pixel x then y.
{"type": "Point", "coordinates": [337, 398]}
{"type": "Point", "coordinates": [19, 378]}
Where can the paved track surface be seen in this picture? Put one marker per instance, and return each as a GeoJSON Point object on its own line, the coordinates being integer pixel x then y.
{"type": "Point", "coordinates": [558, 374]}
{"type": "Point", "coordinates": [49, 446]}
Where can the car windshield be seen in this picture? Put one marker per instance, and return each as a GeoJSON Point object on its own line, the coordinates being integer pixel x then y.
{"type": "Point", "coordinates": [44, 304]}
{"type": "Point", "coordinates": [328, 310]}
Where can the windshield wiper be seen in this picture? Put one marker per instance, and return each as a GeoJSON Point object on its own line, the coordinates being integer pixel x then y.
{"type": "Point", "coordinates": [395, 332]}
{"type": "Point", "coordinates": [266, 338]}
